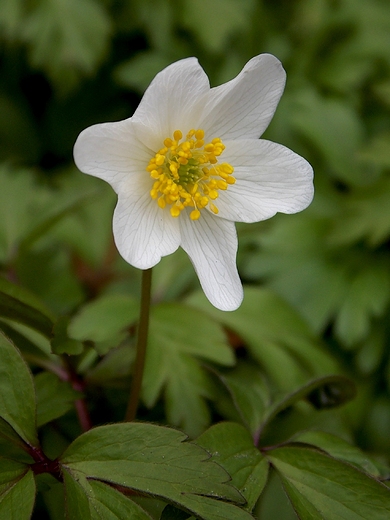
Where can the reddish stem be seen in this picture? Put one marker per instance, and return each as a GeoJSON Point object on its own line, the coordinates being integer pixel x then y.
{"type": "Point", "coordinates": [43, 464]}
{"type": "Point", "coordinates": [83, 415]}
{"type": "Point", "coordinates": [78, 384]}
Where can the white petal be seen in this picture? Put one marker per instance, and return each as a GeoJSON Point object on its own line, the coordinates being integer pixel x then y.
{"type": "Point", "coordinates": [211, 244]}
{"type": "Point", "coordinates": [143, 231]}
{"type": "Point", "coordinates": [243, 107]}
{"type": "Point", "coordinates": [112, 152]}
{"type": "Point", "coordinates": [172, 102]}
{"type": "Point", "coordinates": [270, 178]}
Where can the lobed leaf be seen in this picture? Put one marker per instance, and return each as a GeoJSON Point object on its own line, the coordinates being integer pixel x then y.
{"type": "Point", "coordinates": [104, 318]}
{"type": "Point", "coordinates": [324, 122]}
{"type": "Point", "coordinates": [324, 392]}
{"type": "Point", "coordinates": [339, 449]}
{"type": "Point", "coordinates": [61, 343]}
{"type": "Point", "coordinates": [367, 295]}
{"type": "Point", "coordinates": [93, 500]}
{"type": "Point", "coordinates": [231, 445]}
{"type": "Point", "coordinates": [54, 397]}
{"type": "Point", "coordinates": [214, 23]}
{"type": "Point", "coordinates": [175, 349]}
{"type": "Point", "coordinates": [321, 487]}
{"type": "Point", "coordinates": [17, 393]}
{"type": "Point", "coordinates": [18, 497]}
{"type": "Point", "coordinates": [249, 392]}
{"type": "Point", "coordinates": [10, 471]}
{"type": "Point", "coordinates": [155, 461]}
{"type": "Point", "coordinates": [275, 335]}
{"type": "Point", "coordinates": [67, 39]}
{"type": "Point", "coordinates": [11, 444]}
{"type": "Point", "coordinates": [76, 499]}
{"type": "Point", "coordinates": [19, 305]}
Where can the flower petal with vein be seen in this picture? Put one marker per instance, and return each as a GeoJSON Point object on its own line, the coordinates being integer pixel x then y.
{"type": "Point", "coordinates": [189, 163]}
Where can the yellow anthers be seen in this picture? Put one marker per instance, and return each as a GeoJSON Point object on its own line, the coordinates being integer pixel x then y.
{"type": "Point", "coordinates": [160, 159]}
{"type": "Point", "coordinates": [222, 185]}
{"type": "Point", "coordinates": [186, 173]}
{"type": "Point", "coordinates": [194, 215]}
{"type": "Point", "coordinates": [214, 208]}
{"type": "Point", "coordinates": [175, 211]}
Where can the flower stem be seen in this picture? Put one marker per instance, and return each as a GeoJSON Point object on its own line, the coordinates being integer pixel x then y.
{"type": "Point", "coordinates": [142, 341]}
{"type": "Point", "coordinates": [80, 404]}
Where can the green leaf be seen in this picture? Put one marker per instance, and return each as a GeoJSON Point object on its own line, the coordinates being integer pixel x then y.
{"type": "Point", "coordinates": [76, 500]}
{"type": "Point", "coordinates": [104, 318]}
{"type": "Point", "coordinates": [32, 344]}
{"type": "Point", "coordinates": [17, 393]}
{"type": "Point", "coordinates": [249, 392]}
{"type": "Point", "coordinates": [366, 216]}
{"type": "Point", "coordinates": [339, 449]}
{"type": "Point", "coordinates": [61, 343]}
{"type": "Point", "coordinates": [214, 22]}
{"type": "Point", "coordinates": [11, 444]}
{"type": "Point", "coordinates": [47, 270]}
{"type": "Point", "coordinates": [54, 501]}
{"type": "Point", "coordinates": [275, 335]}
{"type": "Point", "coordinates": [324, 392]}
{"type": "Point", "coordinates": [88, 231]}
{"type": "Point", "coordinates": [10, 470]}
{"type": "Point", "coordinates": [274, 503]}
{"type": "Point", "coordinates": [377, 150]}
{"type": "Point", "coordinates": [19, 305]}
{"type": "Point", "coordinates": [16, 185]}
{"type": "Point", "coordinates": [93, 500]}
{"type": "Point", "coordinates": [172, 364]}
{"type": "Point", "coordinates": [367, 295]}
{"type": "Point", "coordinates": [138, 72]}
{"type": "Point", "coordinates": [17, 499]}
{"type": "Point", "coordinates": [154, 460]}
{"type": "Point", "coordinates": [56, 214]}
{"type": "Point", "coordinates": [231, 446]}
{"type": "Point", "coordinates": [54, 397]}
{"type": "Point", "coordinates": [115, 367]}
{"type": "Point", "coordinates": [109, 503]}
{"type": "Point", "coordinates": [324, 122]}
{"type": "Point", "coordinates": [11, 16]}
{"type": "Point", "coordinates": [67, 39]}
{"type": "Point", "coordinates": [38, 211]}
{"type": "Point", "coordinates": [149, 14]}
{"type": "Point", "coordinates": [321, 487]}
{"type": "Point", "coordinates": [293, 268]}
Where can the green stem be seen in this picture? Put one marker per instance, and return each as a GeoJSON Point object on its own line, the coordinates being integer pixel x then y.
{"type": "Point", "coordinates": [142, 341]}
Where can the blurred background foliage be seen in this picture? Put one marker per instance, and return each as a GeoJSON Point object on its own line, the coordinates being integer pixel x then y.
{"type": "Point", "coordinates": [319, 281]}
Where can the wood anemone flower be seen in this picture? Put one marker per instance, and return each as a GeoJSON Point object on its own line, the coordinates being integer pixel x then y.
{"type": "Point", "coordinates": [189, 163]}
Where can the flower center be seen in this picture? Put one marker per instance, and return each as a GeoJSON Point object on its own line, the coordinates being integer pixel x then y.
{"type": "Point", "coordinates": [187, 173]}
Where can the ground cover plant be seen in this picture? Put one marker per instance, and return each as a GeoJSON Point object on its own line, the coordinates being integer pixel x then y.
{"type": "Point", "coordinates": [278, 409]}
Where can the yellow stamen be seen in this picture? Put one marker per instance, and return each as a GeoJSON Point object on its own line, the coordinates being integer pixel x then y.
{"type": "Point", "coordinates": [175, 211]}
{"type": "Point", "coordinates": [195, 214]}
{"type": "Point", "coordinates": [186, 173]}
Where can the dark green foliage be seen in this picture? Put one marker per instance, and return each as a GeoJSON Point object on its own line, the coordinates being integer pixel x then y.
{"type": "Point", "coordinates": [268, 392]}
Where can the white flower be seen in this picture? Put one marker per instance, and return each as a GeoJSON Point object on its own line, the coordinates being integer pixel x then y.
{"type": "Point", "coordinates": [190, 163]}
